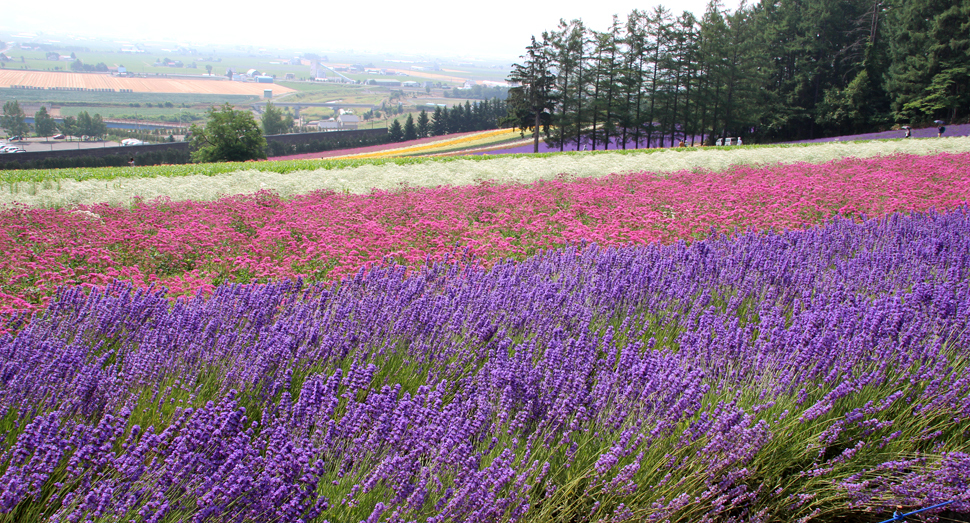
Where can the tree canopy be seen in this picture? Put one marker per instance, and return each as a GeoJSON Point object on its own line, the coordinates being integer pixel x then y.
{"type": "Point", "coordinates": [228, 136]}
{"type": "Point", "coordinates": [771, 71]}
{"type": "Point", "coordinates": [14, 120]}
{"type": "Point", "coordinates": [275, 121]}
{"type": "Point", "coordinates": [68, 126]}
{"type": "Point", "coordinates": [87, 125]}
{"type": "Point", "coordinates": [43, 123]}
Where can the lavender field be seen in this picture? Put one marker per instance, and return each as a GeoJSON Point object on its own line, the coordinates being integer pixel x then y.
{"type": "Point", "coordinates": [926, 132]}
{"type": "Point", "coordinates": [815, 375]}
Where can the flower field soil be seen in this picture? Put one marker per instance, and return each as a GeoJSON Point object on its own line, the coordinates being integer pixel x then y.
{"type": "Point", "coordinates": [816, 375]}
{"type": "Point", "coordinates": [123, 185]}
{"type": "Point", "coordinates": [194, 246]}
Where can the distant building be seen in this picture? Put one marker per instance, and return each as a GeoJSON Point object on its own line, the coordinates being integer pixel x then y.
{"type": "Point", "coordinates": [386, 83]}
{"type": "Point", "coordinates": [410, 83]}
{"type": "Point", "coordinates": [289, 76]}
{"type": "Point", "coordinates": [328, 125]}
{"type": "Point", "coordinates": [264, 79]}
{"type": "Point", "coordinates": [252, 73]}
{"type": "Point", "coordinates": [348, 121]}
{"type": "Point", "coordinates": [317, 70]}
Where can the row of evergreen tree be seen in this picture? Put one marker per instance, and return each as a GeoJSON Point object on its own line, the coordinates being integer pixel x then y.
{"type": "Point", "coordinates": [777, 70]}
{"type": "Point", "coordinates": [478, 116]}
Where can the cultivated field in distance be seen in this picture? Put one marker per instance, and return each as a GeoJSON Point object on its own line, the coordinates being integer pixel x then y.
{"type": "Point", "coordinates": [45, 80]}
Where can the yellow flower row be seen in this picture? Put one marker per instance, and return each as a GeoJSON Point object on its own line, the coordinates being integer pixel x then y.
{"type": "Point", "coordinates": [433, 145]}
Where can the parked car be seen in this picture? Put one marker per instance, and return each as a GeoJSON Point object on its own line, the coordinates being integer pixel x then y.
{"type": "Point", "coordinates": [11, 149]}
{"type": "Point", "coordinates": [131, 141]}
{"type": "Point", "coordinates": [15, 138]}
{"type": "Point", "coordinates": [58, 137]}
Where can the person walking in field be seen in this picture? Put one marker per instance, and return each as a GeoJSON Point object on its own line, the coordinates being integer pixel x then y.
{"type": "Point", "coordinates": [908, 133]}
{"type": "Point", "coordinates": [131, 161]}
{"type": "Point", "coordinates": [941, 130]}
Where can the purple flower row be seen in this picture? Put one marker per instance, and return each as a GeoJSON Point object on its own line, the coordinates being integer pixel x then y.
{"type": "Point", "coordinates": [793, 375]}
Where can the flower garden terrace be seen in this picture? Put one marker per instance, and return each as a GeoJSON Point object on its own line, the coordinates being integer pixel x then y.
{"type": "Point", "coordinates": [192, 246]}
{"type": "Point", "coordinates": [123, 185]}
{"type": "Point", "coordinates": [816, 375]}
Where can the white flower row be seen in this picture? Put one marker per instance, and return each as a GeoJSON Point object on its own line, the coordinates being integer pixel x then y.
{"type": "Point", "coordinates": [361, 180]}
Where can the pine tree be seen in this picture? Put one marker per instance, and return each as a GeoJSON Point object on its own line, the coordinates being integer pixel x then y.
{"type": "Point", "coordinates": [456, 119]}
{"type": "Point", "coordinates": [930, 53]}
{"type": "Point", "coordinates": [410, 131]}
{"type": "Point", "coordinates": [659, 31]}
{"type": "Point", "coordinates": [439, 122]}
{"type": "Point", "coordinates": [605, 89]}
{"type": "Point", "coordinates": [395, 132]}
{"type": "Point", "coordinates": [469, 118]}
{"type": "Point", "coordinates": [530, 103]}
{"type": "Point", "coordinates": [424, 125]}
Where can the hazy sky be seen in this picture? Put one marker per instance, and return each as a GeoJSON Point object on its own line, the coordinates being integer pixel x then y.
{"type": "Point", "coordinates": [498, 29]}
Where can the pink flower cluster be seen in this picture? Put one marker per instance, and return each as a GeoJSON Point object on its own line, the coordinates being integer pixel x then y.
{"type": "Point", "coordinates": [193, 246]}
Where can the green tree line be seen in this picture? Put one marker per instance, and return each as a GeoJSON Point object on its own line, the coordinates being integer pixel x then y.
{"type": "Point", "coordinates": [479, 92]}
{"type": "Point", "coordinates": [13, 122]}
{"type": "Point", "coordinates": [773, 71]}
{"type": "Point", "coordinates": [467, 117]}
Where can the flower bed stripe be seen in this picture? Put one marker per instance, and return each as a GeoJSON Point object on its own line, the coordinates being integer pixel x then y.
{"type": "Point", "coordinates": [192, 246]}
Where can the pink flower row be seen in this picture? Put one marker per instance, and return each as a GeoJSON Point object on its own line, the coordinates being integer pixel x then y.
{"type": "Point", "coordinates": [192, 246]}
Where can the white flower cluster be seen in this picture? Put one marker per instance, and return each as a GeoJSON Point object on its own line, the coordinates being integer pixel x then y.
{"type": "Point", "coordinates": [361, 180]}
